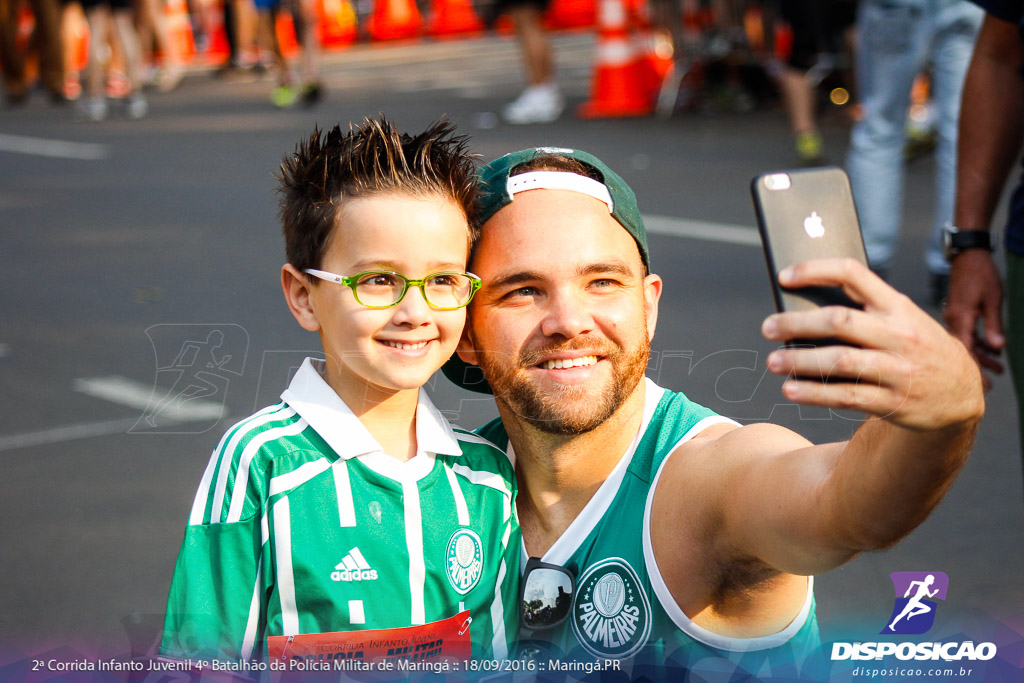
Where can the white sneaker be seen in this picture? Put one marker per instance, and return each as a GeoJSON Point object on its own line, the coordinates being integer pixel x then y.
{"type": "Point", "coordinates": [170, 78]}
{"type": "Point", "coordinates": [537, 104]}
{"type": "Point", "coordinates": [93, 109]}
{"type": "Point", "coordinates": [137, 107]}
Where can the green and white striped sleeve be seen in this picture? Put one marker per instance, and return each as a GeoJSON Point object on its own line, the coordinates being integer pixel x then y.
{"type": "Point", "coordinates": [216, 607]}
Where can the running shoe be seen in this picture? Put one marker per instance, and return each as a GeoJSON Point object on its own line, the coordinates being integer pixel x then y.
{"type": "Point", "coordinates": [284, 96]}
{"type": "Point", "coordinates": [537, 104]}
{"type": "Point", "coordinates": [136, 107]}
{"type": "Point", "coordinates": [93, 109]}
{"type": "Point", "coordinates": [312, 93]}
{"type": "Point", "coordinates": [809, 148]}
{"type": "Point", "coordinates": [170, 77]}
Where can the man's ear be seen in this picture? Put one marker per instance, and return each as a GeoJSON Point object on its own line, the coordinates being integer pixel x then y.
{"type": "Point", "coordinates": [466, 348]}
{"type": "Point", "coordinates": [652, 294]}
{"type": "Point", "coordinates": [297, 293]}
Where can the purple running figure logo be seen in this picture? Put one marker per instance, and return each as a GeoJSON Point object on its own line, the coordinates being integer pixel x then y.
{"type": "Point", "coordinates": [914, 610]}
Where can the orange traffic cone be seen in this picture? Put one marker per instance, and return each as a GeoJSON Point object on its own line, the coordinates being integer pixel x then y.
{"type": "Point", "coordinates": [570, 14]}
{"type": "Point", "coordinates": [654, 52]}
{"type": "Point", "coordinates": [337, 25]}
{"type": "Point", "coordinates": [285, 28]}
{"type": "Point", "coordinates": [75, 36]}
{"type": "Point", "coordinates": [617, 90]}
{"type": "Point", "coordinates": [180, 29]}
{"type": "Point", "coordinates": [79, 30]}
{"type": "Point", "coordinates": [451, 17]}
{"type": "Point", "coordinates": [394, 20]}
{"type": "Point", "coordinates": [26, 25]}
{"type": "Point", "coordinates": [783, 42]}
{"type": "Point", "coordinates": [753, 27]}
{"type": "Point", "coordinates": [218, 48]}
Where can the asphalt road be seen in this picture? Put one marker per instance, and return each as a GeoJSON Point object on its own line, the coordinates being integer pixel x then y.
{"type": "Point", "coordinates": [138, 237]}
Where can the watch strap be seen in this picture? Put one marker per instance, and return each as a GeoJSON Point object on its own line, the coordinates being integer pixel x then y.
{"type": "Point", "coordinates": [962, 240]}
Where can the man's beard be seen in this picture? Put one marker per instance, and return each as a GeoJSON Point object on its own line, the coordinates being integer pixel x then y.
{"type": "Point", "coordinates": [569, 409]}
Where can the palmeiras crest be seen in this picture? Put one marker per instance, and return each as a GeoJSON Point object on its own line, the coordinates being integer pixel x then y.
{"type": "Point", "coordinates": [611, 615]}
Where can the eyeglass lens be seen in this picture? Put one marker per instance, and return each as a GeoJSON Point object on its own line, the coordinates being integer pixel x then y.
{"type": "Point", "coordinates": [547, 598]}
{"type": "Point", "coordinates": [441, 290]}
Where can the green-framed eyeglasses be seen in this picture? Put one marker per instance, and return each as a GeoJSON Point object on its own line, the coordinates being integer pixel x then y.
{"type": "Point", "coordinates": [445, 291]}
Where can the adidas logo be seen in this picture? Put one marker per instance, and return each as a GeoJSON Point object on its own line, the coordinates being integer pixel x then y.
{"type": "Point", "coordinates": [353, 567]}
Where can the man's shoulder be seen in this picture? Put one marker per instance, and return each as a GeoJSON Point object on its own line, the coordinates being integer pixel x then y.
{"type": "Point", "coordinates": [675, 419]}
{"type": "Point", "coordinates": [726, 439]}
{"type": "Point", "coordinates": [475, 441]}
{"type": "Point", "coordinates": [494, 432]}
{"type": "Point", "coordinates": [480, 453]}
{"type": "Point", "coordinates": [713, 460]}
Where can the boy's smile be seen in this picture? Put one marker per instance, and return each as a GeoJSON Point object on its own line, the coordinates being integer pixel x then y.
{"type": "Point", "coordinates": [405, 346]}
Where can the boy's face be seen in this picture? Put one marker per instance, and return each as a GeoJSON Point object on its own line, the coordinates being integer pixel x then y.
{"type": "Point", "coordinates": [372, 353]}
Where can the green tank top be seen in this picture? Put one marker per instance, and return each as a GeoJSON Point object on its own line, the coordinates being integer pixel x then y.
{"type": "Point", "coordinates": [622, 607]}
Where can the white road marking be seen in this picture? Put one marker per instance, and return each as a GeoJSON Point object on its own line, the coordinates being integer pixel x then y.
{"type": "Point", "coordinates": [134, 394]}
{"type": "Point", "coordinates": [702, 230]}
{"type": "Point", "coordinates": [61, 149]}
{"type": "Point", "coordinates": [124, 392]}
{"type": "Point", "coordinates": [68, 433]}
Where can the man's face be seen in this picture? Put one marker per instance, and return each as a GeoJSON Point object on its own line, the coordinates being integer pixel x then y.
{"type": "Point", "coordinates": [563, 323]}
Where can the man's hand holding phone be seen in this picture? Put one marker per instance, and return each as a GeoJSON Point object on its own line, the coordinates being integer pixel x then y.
{"type": "Point", "coordinates": [900, 365]}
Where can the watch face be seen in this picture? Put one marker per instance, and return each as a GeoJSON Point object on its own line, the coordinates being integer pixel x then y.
{"type": "Point", "coordinates": [947, 242]}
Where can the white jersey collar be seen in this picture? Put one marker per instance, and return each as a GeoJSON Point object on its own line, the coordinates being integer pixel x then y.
{"type": "Point", "coordinates": [315, 401]}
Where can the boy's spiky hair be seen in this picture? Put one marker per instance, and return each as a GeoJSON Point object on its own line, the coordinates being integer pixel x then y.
{"type": "Point", "coordinates": [370, 159]}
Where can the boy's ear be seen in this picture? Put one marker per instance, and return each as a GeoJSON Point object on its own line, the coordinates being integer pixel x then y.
{"type": "Point", "coordinates": [296, 293]}
{"type": "Point", "coordinates": [466, 349]}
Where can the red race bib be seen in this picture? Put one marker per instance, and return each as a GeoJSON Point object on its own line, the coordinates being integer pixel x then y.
{"type": "Point", "coordinates": [440, 640]}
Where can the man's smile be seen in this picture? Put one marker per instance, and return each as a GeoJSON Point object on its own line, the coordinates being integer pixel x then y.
{"type": "Point", "coordinates": [560, 363]}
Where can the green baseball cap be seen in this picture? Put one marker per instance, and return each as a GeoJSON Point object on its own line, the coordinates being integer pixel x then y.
{"type": "Point", "coordinates": [498, 187]}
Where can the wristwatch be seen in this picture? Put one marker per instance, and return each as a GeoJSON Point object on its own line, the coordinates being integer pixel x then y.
{"type": "Point", "coordinates": [955, 240]}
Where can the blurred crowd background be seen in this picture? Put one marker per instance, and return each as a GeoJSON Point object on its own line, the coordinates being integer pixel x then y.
{"type": "Point", "coordinates": [666, 55]}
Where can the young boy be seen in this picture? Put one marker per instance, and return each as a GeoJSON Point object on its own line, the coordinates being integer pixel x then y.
{"type": "Point", "coordinates": [353, 504]}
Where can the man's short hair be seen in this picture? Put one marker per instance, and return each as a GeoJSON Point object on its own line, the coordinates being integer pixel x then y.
{"type": "Point", "coordinates": [369, 160]}
{"type": "Point", "coordinates": [557, 162]}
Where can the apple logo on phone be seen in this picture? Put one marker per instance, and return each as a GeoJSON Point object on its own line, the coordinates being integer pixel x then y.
{"type": "Point", "coordinates": [813, 225]}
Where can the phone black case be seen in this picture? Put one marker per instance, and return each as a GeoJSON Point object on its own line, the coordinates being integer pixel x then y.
{"type": "Point", "coordinates": [803, 215]}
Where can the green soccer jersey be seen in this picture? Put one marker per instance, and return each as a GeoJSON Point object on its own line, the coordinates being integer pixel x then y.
{"type": "Point", "coordinates": [622, 607]}
{"type": "Point", "coordinates": [302, 525]}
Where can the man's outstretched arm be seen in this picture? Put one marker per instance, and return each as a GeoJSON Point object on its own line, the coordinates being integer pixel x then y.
{"type": "Point", "coordinates": [919, 387]}
{"type": "Point", "coordinates": [770, 501]}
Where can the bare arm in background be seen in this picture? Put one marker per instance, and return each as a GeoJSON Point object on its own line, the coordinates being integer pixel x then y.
{"type": "Point", "coordinates": [991, 128]}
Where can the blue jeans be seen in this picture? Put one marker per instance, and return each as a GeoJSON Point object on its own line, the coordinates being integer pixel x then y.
{"type": "Point", "coordinates": [898, 40]}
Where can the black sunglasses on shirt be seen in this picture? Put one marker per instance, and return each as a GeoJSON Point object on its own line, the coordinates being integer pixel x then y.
{"type": "Point", "coordinates": [545, 595]}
